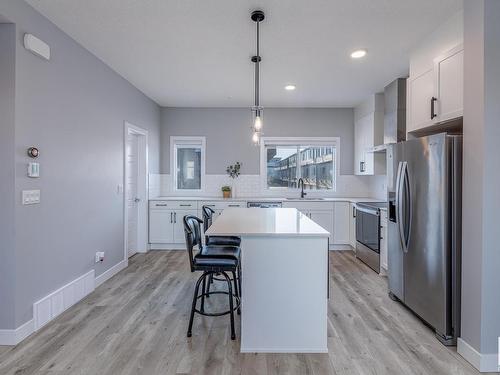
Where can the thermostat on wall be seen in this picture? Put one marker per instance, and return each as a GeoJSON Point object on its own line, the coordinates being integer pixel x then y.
{"type": "Point", "coordinates": [37, 46]}
{"type": "Point", "coordinates": [34, 170]}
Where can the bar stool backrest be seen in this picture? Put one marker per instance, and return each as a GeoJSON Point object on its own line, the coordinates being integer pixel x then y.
{"type": "Point", "coordinates": [193, 236]}
{"type": "Point", "coordinates": [207, 213]}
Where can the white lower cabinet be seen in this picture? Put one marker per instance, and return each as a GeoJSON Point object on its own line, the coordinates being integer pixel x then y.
{"type": "Point", "coordinates": [325, 220]}
{"type": "Point", "coordinates": [352, 225]}
{"type": "Point", "coordinates": [161, 226]}
{"type": "Point", "coordinates": [166, 226]}
{"type": "Point", "coordinates": [383, 242]}
{"type": "Point", "coordinates": [341, 215]}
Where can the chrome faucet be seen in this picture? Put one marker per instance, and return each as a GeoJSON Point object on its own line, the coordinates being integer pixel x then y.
{"type": "Point", "coordinates": [300, 184]}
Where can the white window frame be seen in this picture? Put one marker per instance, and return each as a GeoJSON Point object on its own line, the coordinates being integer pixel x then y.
{"type": "Point", "coordinates": [175, 142]}
{"type": "Point", "coordinates": [293, 141]}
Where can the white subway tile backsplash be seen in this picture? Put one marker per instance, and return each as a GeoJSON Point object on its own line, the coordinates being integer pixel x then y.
{"type": "Point", "coordinates": [160, 185]}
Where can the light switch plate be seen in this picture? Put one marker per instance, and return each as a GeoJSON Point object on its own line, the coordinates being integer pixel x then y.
{"type": "Point", "coordinates": [31, 197]}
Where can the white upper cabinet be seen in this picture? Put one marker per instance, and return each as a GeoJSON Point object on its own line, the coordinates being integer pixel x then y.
{"type": "Point", "coordinates": [436, 96]}
{"type": "Point", "coordinates": [435, 83]}
{"type": "Point", "coordinates": [449, 85]}
{"type": "Point", "coordinates": [368, 133]}
{"type": "Point", "coordinates": [420, 91]}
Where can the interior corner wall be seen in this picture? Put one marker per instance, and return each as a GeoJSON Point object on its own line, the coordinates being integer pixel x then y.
{"type": "Point", "coordinates": [7, 187]}
{"type": "Point", "coordinates": [481, 199]}
{"type": "Point", "coordinates": [73, 109]}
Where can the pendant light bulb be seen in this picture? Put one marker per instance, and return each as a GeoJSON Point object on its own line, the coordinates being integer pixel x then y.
{"type": "Point", "coordinates": [257, 125]}
{"type": "Point", "coordinates": [255, 138]}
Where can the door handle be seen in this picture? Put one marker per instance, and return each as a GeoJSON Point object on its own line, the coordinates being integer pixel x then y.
{"type": "Point", "coordinates": [137, 200]}
{"type": "Point", "coordinates": [171, 216]}
{"type": "Point", "coordinates": [433, 113]}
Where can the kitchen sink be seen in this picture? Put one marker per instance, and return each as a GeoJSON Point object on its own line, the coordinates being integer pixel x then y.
{"type": "Point", "coordinates": [305, 199]}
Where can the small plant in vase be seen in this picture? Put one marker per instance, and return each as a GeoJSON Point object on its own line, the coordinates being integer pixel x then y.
{"type": "Point", "coordinates": [233, 171]}
{"type": "Point", "coordinates": [226, 191]}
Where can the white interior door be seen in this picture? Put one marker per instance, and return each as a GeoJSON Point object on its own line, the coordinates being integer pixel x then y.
{"type": "Point", "coordinates": [132, 192]}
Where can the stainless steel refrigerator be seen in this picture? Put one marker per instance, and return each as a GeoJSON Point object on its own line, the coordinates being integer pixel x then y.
{"type": "Point", "coordinates": [424, 229]}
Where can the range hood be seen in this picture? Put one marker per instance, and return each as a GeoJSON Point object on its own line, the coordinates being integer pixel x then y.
{"type": "Point", "coordinates": [394, 114]}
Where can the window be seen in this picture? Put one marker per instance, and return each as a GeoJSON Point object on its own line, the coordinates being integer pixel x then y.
{"type": "Point", "coordinates": [188, 162]}
{"type": "Point", "coordinates": [284, 161]}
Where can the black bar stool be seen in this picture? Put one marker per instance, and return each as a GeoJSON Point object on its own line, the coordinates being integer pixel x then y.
{"type": "Point", "coordinates": [211, 260]}
{"type": "Point", "coordinates": [207, 213]}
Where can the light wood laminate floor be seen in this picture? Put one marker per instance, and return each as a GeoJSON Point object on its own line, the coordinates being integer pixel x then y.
{"type": "Point", "coordinates": [136, 324]}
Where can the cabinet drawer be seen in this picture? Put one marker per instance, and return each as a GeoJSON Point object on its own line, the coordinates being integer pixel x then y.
{"type": "Point", "coordinates": [222, 205]}
{"type": "Point", "coordinates": [173, 205]}
{"type": "Point", "coordinates": [305, 206]}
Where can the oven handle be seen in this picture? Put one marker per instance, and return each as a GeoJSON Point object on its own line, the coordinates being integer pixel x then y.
{"type": "Point", "coordinates": [368, 210]}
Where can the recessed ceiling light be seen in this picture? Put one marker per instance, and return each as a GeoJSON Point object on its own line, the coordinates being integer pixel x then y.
{"type": "Point", "coordinates": [290, 87]}
{"type": "Point", "coordinates": [358, 53]}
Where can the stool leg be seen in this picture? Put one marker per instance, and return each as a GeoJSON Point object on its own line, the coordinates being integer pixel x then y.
{"type": "Point", "coordinates": [210, 281]}
{"type": "Point", "coordinates": [193, 306]}
{"type": "Point", "coordinates": [203, 288]}
{"type": "Point", "coordinates": [235, 280]}
{"type": "Point", "coordinates": [239, 278]}
{"type": "Point", "coordinates": [231, 314]}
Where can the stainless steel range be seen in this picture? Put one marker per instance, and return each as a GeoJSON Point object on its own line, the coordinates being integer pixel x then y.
{"type": "Point", "coordinates": [368, 233]}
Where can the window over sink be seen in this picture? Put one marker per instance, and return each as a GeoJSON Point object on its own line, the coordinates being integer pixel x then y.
{"type": "Point", "coordinates": [285, 160]}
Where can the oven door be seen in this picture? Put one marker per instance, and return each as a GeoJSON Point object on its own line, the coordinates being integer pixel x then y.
{"type": "Point", "coordinates": [368, 228]}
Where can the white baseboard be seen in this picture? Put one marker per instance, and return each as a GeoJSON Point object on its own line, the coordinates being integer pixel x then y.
{"type": "Point", "coordinates": [15, 336]}
{"type": "Point", "coordinates": [111, 272]}
{"type": "Point", "coordinates": [340, 247]}
{"type": "Point", "coordinates": [167, 246]}
{"type": "Point", "coordinates": [482, 362]}
{"type": "Point", "coordinates": [49, 307]}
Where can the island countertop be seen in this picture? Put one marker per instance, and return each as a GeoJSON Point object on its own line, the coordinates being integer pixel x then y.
{"type": "Point", "coordinates": [265, 222]}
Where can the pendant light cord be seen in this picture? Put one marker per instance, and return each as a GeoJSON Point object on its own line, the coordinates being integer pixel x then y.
{"type": "Point", "coordinates": [257, 70]}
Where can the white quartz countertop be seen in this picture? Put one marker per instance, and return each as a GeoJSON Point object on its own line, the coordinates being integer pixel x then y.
{"type": "Point", "coordinates": [265, 222]}
{"type": "Point", "coordinates": [268, 199]}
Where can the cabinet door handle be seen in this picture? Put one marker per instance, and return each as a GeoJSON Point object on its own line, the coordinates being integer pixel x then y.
{"type": "Point", "coordinates": [353, 211]}
{"type": "Point", "coordinates": [361, 166]}
{"type": "Point", "coordinates": [233, 205]}
{"type": "Point", "coordinates": [433, 113]}
{"type": "Point", "coordinates": [175, 217]}
{"type": "Point", "coordinates": [171, 220]}
{"type": "Point", "coordinates": [161, 205]}
{"type": "Point", "coordinates": [185, 205]}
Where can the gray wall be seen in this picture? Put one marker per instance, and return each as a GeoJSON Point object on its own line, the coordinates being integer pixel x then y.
{"type": "Point", "coordinates": [7, 193]}
{"type": "Point", "coordinates": [481, 198]}
{"type": "Point", "coordinates": [72, 108]}
{"type": "Point", "coordinates": [229, 134]}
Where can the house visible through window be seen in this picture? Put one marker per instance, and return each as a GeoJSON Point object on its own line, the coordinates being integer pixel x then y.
{"type": "Point", "coordinates": [288, 160]}
{"type": "Point", "coordinates": [188, 162]}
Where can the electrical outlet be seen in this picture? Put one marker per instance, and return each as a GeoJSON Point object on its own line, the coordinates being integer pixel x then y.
{"type": "Point", "coordinates": [99, 256]}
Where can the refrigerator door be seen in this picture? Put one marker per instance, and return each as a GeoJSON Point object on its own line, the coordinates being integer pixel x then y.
{"type": "Point", "coordinates": [425, 226]}
{"type": "Point", "coordinates": [395, 157]}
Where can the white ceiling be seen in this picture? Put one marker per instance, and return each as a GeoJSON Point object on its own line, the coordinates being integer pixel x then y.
{"type": "Point", "coordinates": [196, 53]}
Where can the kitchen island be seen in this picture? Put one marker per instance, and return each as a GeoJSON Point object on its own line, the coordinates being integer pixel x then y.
{"type": "Point", "coordinates": [284, 278]}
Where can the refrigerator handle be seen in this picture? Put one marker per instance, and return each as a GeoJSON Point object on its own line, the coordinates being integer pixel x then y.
{"type": "Point", "coordinates": [399, 204]}
{"type": "Point", "coordinates": [409, 206]}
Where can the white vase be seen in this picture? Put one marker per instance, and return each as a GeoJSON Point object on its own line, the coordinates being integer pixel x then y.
{"type": "Point", "coordinates": [233, 188]}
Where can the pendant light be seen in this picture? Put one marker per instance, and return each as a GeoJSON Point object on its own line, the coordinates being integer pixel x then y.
{"type": "Point", "coordinates": [257, 110]}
